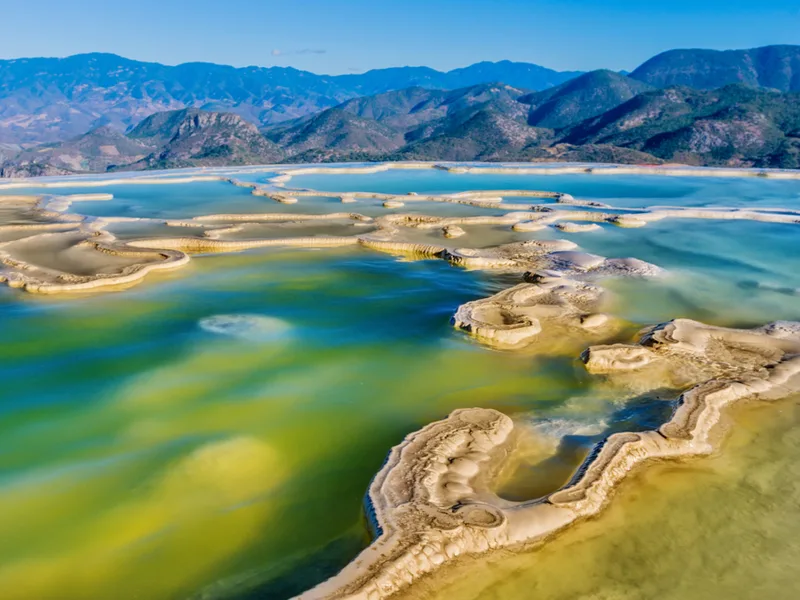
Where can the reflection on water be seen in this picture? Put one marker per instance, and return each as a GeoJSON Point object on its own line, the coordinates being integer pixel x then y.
{"type": "Point", "coordinates": [211, 432]}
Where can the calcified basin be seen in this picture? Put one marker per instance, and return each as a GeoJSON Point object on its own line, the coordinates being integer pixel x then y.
{"type": "Point", "coordinates": [221, 424]}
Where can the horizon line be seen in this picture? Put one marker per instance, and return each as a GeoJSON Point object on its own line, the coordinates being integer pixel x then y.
{"type": "Point", "coordinates": [355, 73]}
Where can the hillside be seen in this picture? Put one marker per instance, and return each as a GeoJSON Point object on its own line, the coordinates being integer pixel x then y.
{"type": "Point", "coordinates": [774, 67]}
{"type": "Point", "coordinates": [586, 96]}
{"type": "Point", "coordinates": [387, 122]}
{"type": "Point", "coordinates": [734, 125]}
{"type": "Point", "coordinates": [171, 139]}
{"type": "Point", "coordinates": [338, 130]}
{"type": "Point", "coordinates": [488, 133]}
{"type": "Point", "coordinates": [191, 137]}
{"type": "Point", "coordinates": [96, 150]}
{"type": "Point", "coordinates": [405, 110]}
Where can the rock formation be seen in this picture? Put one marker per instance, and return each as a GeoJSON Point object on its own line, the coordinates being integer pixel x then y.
{"type": "Point", "coordinates": [554, 307]}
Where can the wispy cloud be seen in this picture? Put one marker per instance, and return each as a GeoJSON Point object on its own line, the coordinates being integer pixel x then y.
{"type": "Point", "coordinates": [277, 52]}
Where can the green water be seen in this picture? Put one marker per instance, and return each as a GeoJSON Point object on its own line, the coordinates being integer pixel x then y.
{"type": "Point", "coordinates": [113, 405]}
{"type": "Point", "coordinates": [144, 454]}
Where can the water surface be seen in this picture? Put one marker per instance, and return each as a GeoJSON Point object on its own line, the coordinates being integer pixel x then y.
{"type": "Point", "coordinates": [210, 433]}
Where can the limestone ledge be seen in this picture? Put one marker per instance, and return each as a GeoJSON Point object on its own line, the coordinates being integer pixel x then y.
{"type": "Point", "coordinates": [286, 174]}
{"type": "Point", "coordinates": [555, 306]}
{"type": "Point", "coordinates": [569, 227]}
{"type": "Point", "coordinates": [33, 277]}
{"type": "Point", "coordinates": [559, 257]}
{"type": "Point", "coordinates": [283, 173]}
{"type": "Point", "coordinates": [432, 501]}
{"type": "Point", "coordinates": [48, 213]}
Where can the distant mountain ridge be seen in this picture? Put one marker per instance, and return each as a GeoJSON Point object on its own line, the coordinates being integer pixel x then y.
{"type": "Point", "coordinates": [775, 67]}
{"type": "Point", "coordinates": [54, 99]}
{"type": "Point", "coordinates": [518, 74]}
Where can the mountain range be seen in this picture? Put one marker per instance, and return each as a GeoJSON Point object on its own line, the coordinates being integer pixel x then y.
{"type": "Point", "coordinates": [694, 106]}
{"type": "Point", "coordinates": [53, 99]}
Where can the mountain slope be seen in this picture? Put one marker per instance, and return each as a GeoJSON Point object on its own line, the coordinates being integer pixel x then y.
{"type": "Point", "coordinates": [776, 67]}
{"type": "Point", "coordinates": [192, 137]}
{"type": "Point", "coordinates": [397, 110]}
{"type": "Point", "coordinates": [171, 139]}
{"type": "Point", "coordinates": [338, 130]}
{"type": "Point", "coordinates": [485, 133]}
{"type": "Point", "coordinates": [386, 122]}
{"type": "Point", "coordinates": [586, 96]}
{"type": "Point", "coordinates": [94, 151]}
{"type": "Point", "coordinates": [405, 109]}
{"type": "Point", "coordinates": [737, 125]}
{"type": "Point", "coordinates": [734, 125]}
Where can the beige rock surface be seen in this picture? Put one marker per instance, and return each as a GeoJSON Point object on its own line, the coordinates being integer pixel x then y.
{"type": "Point", "coordinates": [552, 309]}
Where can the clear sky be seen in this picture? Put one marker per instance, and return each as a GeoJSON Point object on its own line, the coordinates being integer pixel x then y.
{"type": "Point", "coordinates": [330, 36]}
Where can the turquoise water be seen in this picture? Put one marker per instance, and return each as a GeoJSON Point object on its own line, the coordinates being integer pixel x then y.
{"type": "Point", "coordinates": [153, 446]}
{"type": "Point", "coordinates": [618, 190]}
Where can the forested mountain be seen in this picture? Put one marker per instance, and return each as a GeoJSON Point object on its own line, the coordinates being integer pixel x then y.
{"type": "Point", "coordinates": [597, 116]}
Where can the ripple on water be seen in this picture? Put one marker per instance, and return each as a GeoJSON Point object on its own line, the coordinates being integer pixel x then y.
{"type": "Point", "coordinates": [254, 328]}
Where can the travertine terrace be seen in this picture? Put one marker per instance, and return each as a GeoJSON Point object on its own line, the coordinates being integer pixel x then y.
{"type": "Point", "coordinates": [434, 501]}
{"type": "Point", "coordinates": [31, 217]}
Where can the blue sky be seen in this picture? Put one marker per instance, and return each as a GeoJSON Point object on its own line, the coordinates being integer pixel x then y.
{"type": "Point", "coordinates": [327, 36]}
